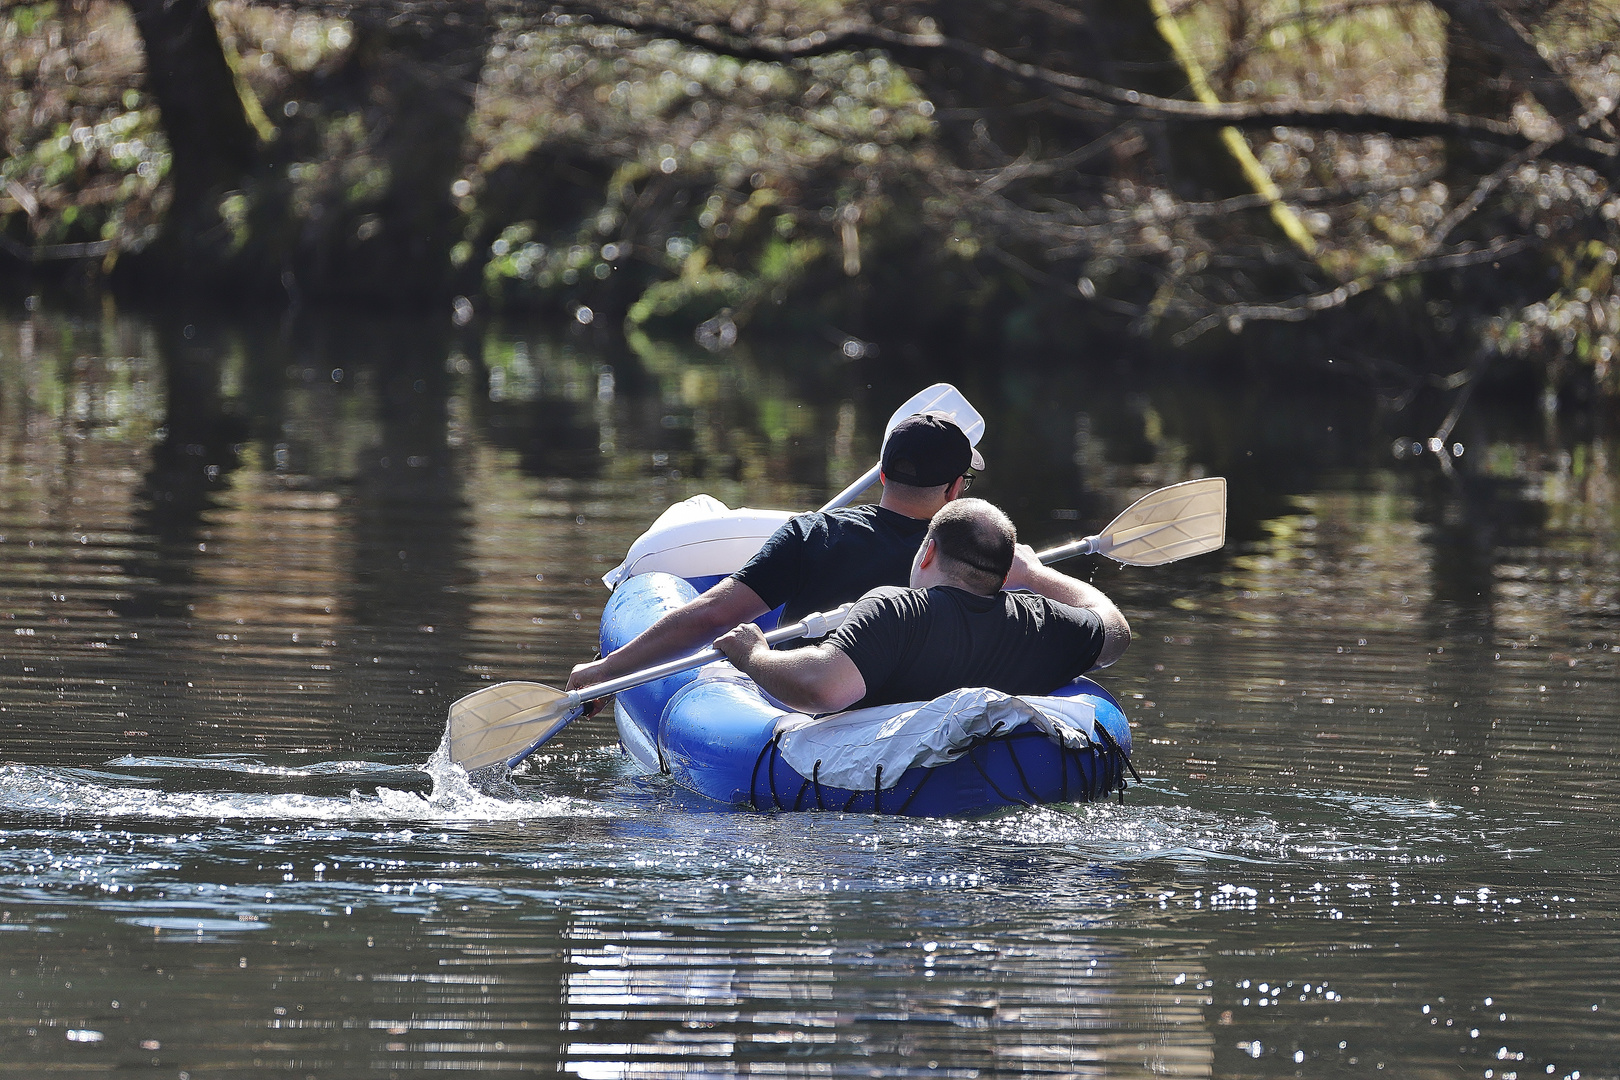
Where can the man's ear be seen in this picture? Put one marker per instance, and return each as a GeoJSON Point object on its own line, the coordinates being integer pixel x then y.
{"type": "Point", "coordinates": [930, 551]}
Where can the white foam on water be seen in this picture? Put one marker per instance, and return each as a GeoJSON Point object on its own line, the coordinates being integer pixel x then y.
{"type": "Point", "coordinates": [236, 764]}
{"type": "Point", "coordinates": [54, 792]}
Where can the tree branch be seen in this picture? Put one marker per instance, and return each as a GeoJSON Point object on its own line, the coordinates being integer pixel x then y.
{"type": "Point", "coordinates": [1302, 308]}
{"type": "Point", "coordinates": [1092, 97]}
{"type": "Point", "coordinates": [1095, 97]}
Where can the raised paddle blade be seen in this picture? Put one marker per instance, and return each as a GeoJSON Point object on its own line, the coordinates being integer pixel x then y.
{"type": "Point", "coordinates": [943, 398]}
{"type": "Point", "coordinates": [1172, 523]}
{"type": "Point", "coordinates": [499, 722]}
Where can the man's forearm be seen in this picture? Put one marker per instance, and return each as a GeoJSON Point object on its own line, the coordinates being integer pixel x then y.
{"type": "Point", "coordinates": [1058, 586]}
{"type": "Point", "coordinates": [815, 679]}
{"type": "Point", "coordinates": [779, 676]}
{"type": "Point", "coordinates": [680, 633]}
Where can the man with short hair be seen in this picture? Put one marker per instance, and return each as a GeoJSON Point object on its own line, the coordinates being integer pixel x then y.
{"type": "Point", "coordinates": [819, 560]}
{"type": "Point", "coordinates": [953, 628]}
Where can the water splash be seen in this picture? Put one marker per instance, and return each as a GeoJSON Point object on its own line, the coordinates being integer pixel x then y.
{"type": "Point", "coordinates": [57, 792]}
{"type": "Point", "coordinates": [239, 764]}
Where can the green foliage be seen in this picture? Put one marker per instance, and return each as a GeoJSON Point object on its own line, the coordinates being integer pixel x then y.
{"type": "Point", "coordinates": [729, 177]}
{"type": "Point", "coordinates": [1579, 323]}
{"type": "Point", "coordinates": [698, 292]}
{"type": "Point", "coordinates": [672, 187]}
{"type": "Point", "coordinates": [84, 159]}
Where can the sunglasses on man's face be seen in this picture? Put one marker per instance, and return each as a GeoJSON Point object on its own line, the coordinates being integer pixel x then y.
{"type": "Point", "coordinates": [967, 480]}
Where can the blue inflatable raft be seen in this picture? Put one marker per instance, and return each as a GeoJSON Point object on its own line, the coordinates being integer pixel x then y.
{"type": "Point", "coordinates": [972, 753]}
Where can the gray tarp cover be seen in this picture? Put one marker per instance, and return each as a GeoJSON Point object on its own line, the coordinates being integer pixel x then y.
{"type": "Point", "coordinates": [851, 745]}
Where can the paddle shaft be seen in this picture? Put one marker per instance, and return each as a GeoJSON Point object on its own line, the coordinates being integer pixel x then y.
{"type": "Point", "coordinates": [847, 496]}
{"type": "Point", "coordinates": [1180, 520]}
{"type": "Point", "coordinates": [819, 625]}
{"type": "Point", "coordinates": [828, 622]}
{"type": "Point", "coordinates": [1086, 546]}
{"type": "Point", "coordinates": [816, 625]}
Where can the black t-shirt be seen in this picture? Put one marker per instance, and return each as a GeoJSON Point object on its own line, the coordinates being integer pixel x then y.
{"type": "Point", "coordinates": [817, 561]}
{"type": "Point", "coordinates": [916, 644]}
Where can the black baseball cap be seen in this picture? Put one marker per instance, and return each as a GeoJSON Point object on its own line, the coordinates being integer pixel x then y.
{"type": "Point", "coordinates": [927, 450]}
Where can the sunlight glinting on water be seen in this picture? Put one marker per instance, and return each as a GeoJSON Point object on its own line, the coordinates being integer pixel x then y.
{"type": "Point", "coordinates": [1375, 738]}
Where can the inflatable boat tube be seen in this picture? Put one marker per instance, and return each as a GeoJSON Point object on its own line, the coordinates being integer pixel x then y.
{"type": "Point", "coordinates": [699, 539]}
{"type": "Point", "coordinates": [968, 753]}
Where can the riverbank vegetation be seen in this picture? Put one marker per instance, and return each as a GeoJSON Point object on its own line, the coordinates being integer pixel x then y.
{"type": "Point", "coordinates": [1421, 190]}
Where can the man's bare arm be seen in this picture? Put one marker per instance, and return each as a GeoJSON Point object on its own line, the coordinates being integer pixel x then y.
{"type": "Point", "coordinates": [688, 628]}
{"type": "Point", "coordinates": [816, 679]}
{"type": "Point", "coordinates": [1028, 572]}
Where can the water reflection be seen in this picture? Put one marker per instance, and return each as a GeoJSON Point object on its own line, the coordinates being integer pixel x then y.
{"type": "Point", "coordinates": [245, 566]}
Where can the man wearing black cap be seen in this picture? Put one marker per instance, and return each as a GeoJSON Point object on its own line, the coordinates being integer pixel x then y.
{"type": "Point", "coordinates": [819, 560]}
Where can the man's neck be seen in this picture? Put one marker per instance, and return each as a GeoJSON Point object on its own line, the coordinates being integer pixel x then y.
{"type": "Point", "coordinates": [927, 580]}
{"type": "Point", "coordinates": [922, 507]}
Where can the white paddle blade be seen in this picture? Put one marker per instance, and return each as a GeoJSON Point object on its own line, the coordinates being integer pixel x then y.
{"type": "Point", "coordinates": [499, 722]}
{"type": "Point", "coordinates": [943, 398]}
{"type": "Point", "coordinates": [1172, 523]}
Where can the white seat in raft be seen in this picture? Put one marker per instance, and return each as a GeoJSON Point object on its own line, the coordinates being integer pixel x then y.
{"type": "Point", "coordinates": [845, 749]}
{"type": "Point", "coordinates": [697, 538]}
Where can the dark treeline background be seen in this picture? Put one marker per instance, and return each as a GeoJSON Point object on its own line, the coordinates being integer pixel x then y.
{"type": "Point", "coordinates": [1422, 191]}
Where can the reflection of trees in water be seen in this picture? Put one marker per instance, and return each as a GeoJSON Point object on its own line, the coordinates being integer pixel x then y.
{"type": "Point", "coordinates": [337, 445]}
{"type": "Point", "coordinates": [202, 434]}
{"type": "Point", "coordinates": [1021, 1000]}
{"type": "Point", "coordinates": [379, 421]}
{"type": "Point", "coordinates": [79, 403]}
{"type": "Point", "coordinates": [257, 518]}
{"type": "Point", "coordinates": [575, 406]}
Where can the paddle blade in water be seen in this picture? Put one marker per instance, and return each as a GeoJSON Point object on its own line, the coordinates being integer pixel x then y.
{"type": "Point", "coordinates": [1172, 523]}
{"type": "Point", "coordinates": [500, 722]}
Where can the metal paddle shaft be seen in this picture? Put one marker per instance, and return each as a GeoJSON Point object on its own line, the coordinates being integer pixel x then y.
{"type": "Point", "coordinates": [942, 398]}
{"type": "Point", "coordinates": [505, 723]}
{"type": "Point", "coordinates": [1175, 522]}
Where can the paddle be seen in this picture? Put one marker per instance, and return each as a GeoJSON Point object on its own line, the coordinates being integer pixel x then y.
{"type": "Point", "coordinates": [941, 397]}
{"type": "Point", "coordinates": [1175, 522]}
{"type": "Point", "coordinates": [505, 723]}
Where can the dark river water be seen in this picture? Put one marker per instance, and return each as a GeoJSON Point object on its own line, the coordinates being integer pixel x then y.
{"type": "Point", "coordinates": [245, 567]}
